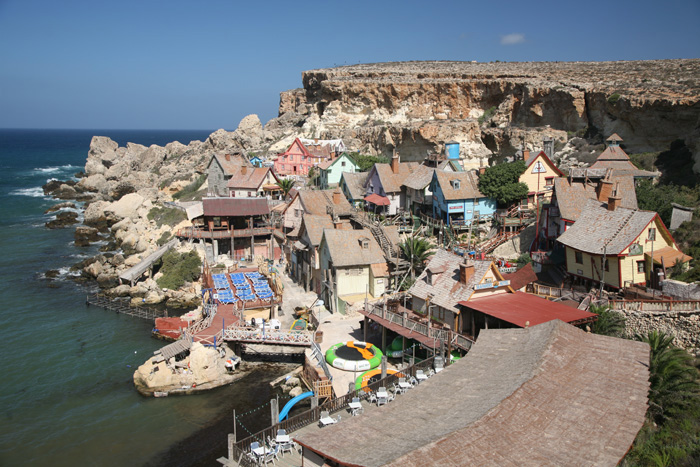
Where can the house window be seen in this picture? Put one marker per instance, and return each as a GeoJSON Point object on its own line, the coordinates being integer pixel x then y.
{"type": "Point", "coordinates": [549, 181]}
{"type": "Point", "coordinates": [250, 194]}
{"type": "Point", "coordinates": [297, 213]}
{"type": "Point", "coordinates": [455, 184]}
{"type": "Point", "coordinates": [606, 264]}
{"type": "Point", "coordinates": [579, 257]}
{"type": "Point", "coordinates": [652, 234]}
{"type": "Point", "coordinates": [342, 164]}
{"type": "Point", "coordinates": [641, 267]}
{"type": "Point", "coordinates": [233, 193]}
{"type": "Point", "coordinates": [217, 222]}
{"type": "Point", "coordinates": [282, 167]}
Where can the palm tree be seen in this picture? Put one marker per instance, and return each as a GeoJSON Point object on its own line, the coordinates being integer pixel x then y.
{"type": "Point", "coordinates": [417, 251]}
{"type": "Point", "coordinates": [286, 185]}
{"type": "Point", "coordinates": [672, 377]}
{"type": "Point", "coordinates": [609, 322]}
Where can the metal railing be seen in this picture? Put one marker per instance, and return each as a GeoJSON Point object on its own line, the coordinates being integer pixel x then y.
{"type": "Point", "coordinates": [318, 354]}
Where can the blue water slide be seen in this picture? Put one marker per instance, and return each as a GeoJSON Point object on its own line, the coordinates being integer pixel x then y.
{"type": "Point", "coordinates": [288, 406]}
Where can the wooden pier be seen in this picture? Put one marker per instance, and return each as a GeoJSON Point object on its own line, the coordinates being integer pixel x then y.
{"type": "Point", "coordinates": [119, 306]}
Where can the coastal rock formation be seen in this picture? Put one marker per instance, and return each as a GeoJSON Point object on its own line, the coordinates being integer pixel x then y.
{"type": "Point", "coordinates": [659, 96]}
{"type": "Point", "coordinates": [203, 369]}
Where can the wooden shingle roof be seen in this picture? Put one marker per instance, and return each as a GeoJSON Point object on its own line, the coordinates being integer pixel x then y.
{"type": "Point", "coordinates": [571, 196]}
{"type": "Point", "coordinates": [355, 183]}
{"type": "Point", "coordinates": [599, 230]}
{"type": "Point", "coordinates": [392, 182]}
{"type": "Point", "coordinates": [345, 247]}
{"type": "Point", "coordinates": [468, 185]}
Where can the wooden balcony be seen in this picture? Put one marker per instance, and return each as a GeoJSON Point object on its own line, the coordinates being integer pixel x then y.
{"type": "Point", "coordinates": [193, 232]}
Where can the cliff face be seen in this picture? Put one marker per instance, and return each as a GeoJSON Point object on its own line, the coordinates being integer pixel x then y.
{"type": "Point", "coordinates": [416, 106]}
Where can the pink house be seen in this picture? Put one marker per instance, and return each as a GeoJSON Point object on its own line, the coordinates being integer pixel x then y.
{"type": "Point", "coordinates": [301, 156]}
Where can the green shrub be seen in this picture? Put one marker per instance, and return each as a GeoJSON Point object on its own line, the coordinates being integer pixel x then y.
{"type": "Point", "coordinates": [166, 216]}
{"type": "Point", "coordinates": [486, 116]}
{"type": "Point", "coordinates": [192, 188]}
{"type": "Point", "coordinates": [164, 238]}
{"type": "Point", "coordinates": [178, 268]}
{"type": "Point", "coordinates": [365, 162]}
{"type": "Point", "coordinates": [612, 100]}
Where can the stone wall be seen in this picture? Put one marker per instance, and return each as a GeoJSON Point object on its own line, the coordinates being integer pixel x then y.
{"type": "Point", "coordinates": [681, 290]}
{"type": "Point", "coordinates": [683, 325]}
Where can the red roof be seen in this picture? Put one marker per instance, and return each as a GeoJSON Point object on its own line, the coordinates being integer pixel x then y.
{"type": "Point", "coordinates": [235, 207]}
{"type": "Point", "coordinates": [377, 199]}
{"type": "Point", "coordinates": [523, 309]}
{"type": "Point", "coordinates": [521, 277]}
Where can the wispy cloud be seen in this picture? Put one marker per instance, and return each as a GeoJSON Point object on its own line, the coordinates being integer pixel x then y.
{"type": "Point", "coordinates": [511, 39]}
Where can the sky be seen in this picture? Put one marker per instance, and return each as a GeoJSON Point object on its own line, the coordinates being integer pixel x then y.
{"type": "Point", "coordinates": [204, 65]}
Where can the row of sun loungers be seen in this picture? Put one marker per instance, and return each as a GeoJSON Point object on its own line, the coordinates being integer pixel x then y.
{"type": "Point", "coordinates": [249, 286]}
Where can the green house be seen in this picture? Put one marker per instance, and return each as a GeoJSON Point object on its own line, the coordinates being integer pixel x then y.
{"type": "Point", "coordinates": [332, 170]}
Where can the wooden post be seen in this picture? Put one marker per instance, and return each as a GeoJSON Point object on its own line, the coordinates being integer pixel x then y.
{"type": "Point", "coordinates": [364, 328]}
{"type": "Point", "coordinates": [231, 442]}
{"type": "Point", "coordinates": [383, 339]}
{"type": "Point", "coordinates": [235, 437]}
{"type": "Point", "coordinates": [274, 409]}
{"type": "Point", "coordinates": [314, 402]}
{"type": "Point", "coordinates": [383, 366]}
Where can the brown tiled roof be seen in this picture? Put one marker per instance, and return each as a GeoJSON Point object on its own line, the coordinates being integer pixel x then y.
{"type": "Point", "coordinates": [571, 197]}
{"type": "Point", "coordinates": [391, 182]}
{"type": "Point", "coordinates": [550, 394]}
{"type": "Point", "coordinates": [234, 163]}
{"type": "Point", "coordinates": [521, 277]}
{"type": "Point", "coordinates": [319, 150]}
{"type": "Point", "coordinates": [235, 207]}
{"type": "Point", "coordinates": [380, 270]}
{"type": "Point", "coordinates": [316, 201]}
{"type": "Point", "coordinates": [420, 178]}
{"type": "Point", "coordinates": [614, 137]}
{"type": "Point", "coordinates": [597, 227]}
{"type": "Point", "coordinates": [613, 153]}
{"type": "Point", "coordinates": [468, 185]}
{"type": "Point", "coordinates": [446, 289]}
{"type": "Point", "coordinates": [670, 256]}
{"type": "Point", "coordinates": [345, 247]}
{"type": "Point", "coordinates": [251, 179]}
{"type": "Point", "coordinates": [355, 183]}
{"type": "Point", "coordinates": [314, 226]}
{"type": "Point", "coordinates": [325, 165]}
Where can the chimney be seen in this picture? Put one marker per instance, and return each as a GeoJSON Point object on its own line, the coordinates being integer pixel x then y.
{"type": "Point", "coordinates": [337, 196]}
{"type": "Point", "coordinates": [614, 200]}
{"type": "Point", "coordinates": [337, 225]}
{"type": "Point", "coordinates": [227, 157]}
{"type": "Point", "coordinates": [395, 162]}
{"type": "Point", "coordinates": [466, 271]}
{"type": "Point", "coordinates": [244, 170]}
{"type": "Point", "coordinates": [482, 170]}
{"type": "Point", "coordinates": [526, 154]}
{"type": "Point", "coordinates": [604, 189]}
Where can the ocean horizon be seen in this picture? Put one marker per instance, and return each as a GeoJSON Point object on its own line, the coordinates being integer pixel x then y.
{"type": "Point", "coordinates": [67, 396]}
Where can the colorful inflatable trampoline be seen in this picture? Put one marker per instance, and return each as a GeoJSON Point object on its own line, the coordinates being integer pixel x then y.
{"type": "Point", "coordinates": [372, 376]}
{"type": "Point", "coordinates": [354, 356]}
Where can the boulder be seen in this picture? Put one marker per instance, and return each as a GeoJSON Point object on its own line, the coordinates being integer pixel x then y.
{"type": "Point", "coordinates": [127, 206]}
{"type": "Point", "coordinates": [84, 235]}
{"type": "Point", "coordinates": [62, 220]}
{"type": "Point", "coordinates": [96, 183]}
{"type": "Point", "coordinates": [59, 206]}
{"type": "Point", "coordinates": [296, 391]}
{"type": "Point", "coordinates": [107, 281]}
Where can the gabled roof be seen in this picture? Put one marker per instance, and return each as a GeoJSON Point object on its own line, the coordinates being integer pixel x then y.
{"type": "Point", "coordinates": [327, 164]}
{"type": "Point", "coordinates": [392, 182]}
{"type": "Point", "coordinates": [316, 201]}
{"type": "Point", "coordinates": [314, 226]}
{"type": "Point", "coordinates": [522, 277]}
{"type": "Point", "coordinates": [446, 290]}
{"type": "Point", "coordinates": [420, 178]}
{"type": "Point", "coordinates": [299, 145]}
{"type": "Point", "coordinates": [251, 179]}
{"type": "Point", "coordinates": [614, 137]}
{"type": "Point", "coordinates": [355, 183]}
{"type": "Point", "coordinates": [335, 145]}
{"type": "Point", "coordinates": [235, 207]}
{"type": "Point", "coordinates": [531, 160]}
{"type": "Point", "coordinates": [468, 185]}
{"type": "Point", "coordinates": [599, 230]}
{"type": "Point", "coordinates": [230, 163]}
{"type": "Point", "coordinates": [345, 247]}
{"type": "Point", "coordinates": [571, 196]}
{"type": "Point", "coordinates": [670, 256]}
{"type": "Point", "coordinates": [613, 153]}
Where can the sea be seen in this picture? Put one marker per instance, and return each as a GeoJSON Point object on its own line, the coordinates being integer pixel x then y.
{"type": "Point", "coordinates": [66, 394]}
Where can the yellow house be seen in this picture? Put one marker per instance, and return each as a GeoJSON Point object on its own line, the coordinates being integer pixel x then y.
{"type": "Point", "coordinates": [539, 177]}
{"type": "Point", "coordinates": [614, 246]}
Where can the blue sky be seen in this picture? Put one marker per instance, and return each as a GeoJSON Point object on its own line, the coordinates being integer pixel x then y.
{"type": "Point", "coordinates": [151, 64]}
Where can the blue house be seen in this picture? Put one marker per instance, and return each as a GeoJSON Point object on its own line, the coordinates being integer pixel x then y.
{"type": "Point", "coordinates": [256, 161]}
{"type": "Point", "coordinates": [456, 197]}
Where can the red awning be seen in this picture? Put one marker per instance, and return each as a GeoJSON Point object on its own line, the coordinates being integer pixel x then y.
{"type": "Point", "coordinates": [377, 199]}
{"type": "Point", "coordinates": [523, 309]}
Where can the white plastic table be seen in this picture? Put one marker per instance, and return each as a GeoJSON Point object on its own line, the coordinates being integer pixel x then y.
{"type": "Point", "coordinates": [355, 407]}
{"type": "Point", "coordinates": [405, 385]}
{"type": "Point", "coordinates": [282, 439]}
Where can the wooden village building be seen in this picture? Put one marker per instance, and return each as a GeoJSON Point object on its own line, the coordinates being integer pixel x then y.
{"type": "Point", "coordinates": [303, 154]}
{"type": "Point", "coordinates": [539, 177]}
{"type": "Point", "coordinates": [614, 157]}
{"type": "Point", "coordinates": [457, 199]}
{"type": "Point", "coordinates": [615, 247]}
{"type": "Point", "coordinates": [383, 187]}
{"type": "Point", "coordinates": [250, 182]}
{"type": "Point", "coordinates": [237, 227]}
{"type": "Point", "coordinates": [352, 186]}
{"type": "Point", "coordinates": [221, 168]}
{"type": "Point", "coordinates": [332, 170]}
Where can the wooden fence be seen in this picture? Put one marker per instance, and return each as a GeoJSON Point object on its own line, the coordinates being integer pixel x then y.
{"type": "Point", "coordinates": [268, 336]}
{"type": "Point", "coordinates": [120, 306]}
{"type": "Point", "coordinates": [655, 305]}
{"type": "Point", "coordinates": [238, 449]}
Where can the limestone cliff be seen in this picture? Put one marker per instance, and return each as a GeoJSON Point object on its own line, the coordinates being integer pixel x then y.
{"type": "Point", "coordinates": [417, 106]}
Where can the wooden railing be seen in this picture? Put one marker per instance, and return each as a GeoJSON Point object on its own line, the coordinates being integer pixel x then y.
{"type": "Point", "coordinates": [444, 335]}
{"type": "Point", "coordinates": [268, 336]}
{"type": "Point", "coordinates": [119, 306]}
{"type": "Point", "coordinates": [191, 232]}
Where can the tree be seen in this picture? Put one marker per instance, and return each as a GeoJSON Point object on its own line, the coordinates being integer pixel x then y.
{"type": "Point", "coordinates": [417, 251]}
{"type": "Point", "coordinates": [609, 322]}
{"type": "Point", "coordinates": [501, 182]}
{"type": "Point", "coordinates": [286, 185]}
{"type": "Point", "coordinates": [672, 377]}
{"type": "Point", "coordinates": [364, 163]}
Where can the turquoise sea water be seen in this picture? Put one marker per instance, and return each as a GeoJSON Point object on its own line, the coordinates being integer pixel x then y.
{"type": "Point", "coordinates": [67, 396]}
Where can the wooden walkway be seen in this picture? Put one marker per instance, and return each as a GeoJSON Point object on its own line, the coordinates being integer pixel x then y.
{"type": "Point", "coordinates": [134, 272]}
{"type": "Point", "coordinates": [120, 307]}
